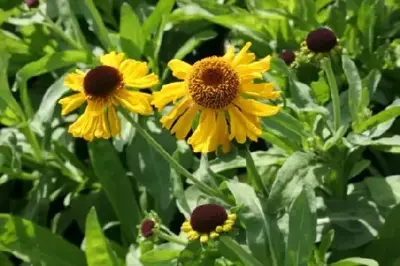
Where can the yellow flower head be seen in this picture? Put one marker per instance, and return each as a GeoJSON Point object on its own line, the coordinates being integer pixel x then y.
{"type": "Point", "coordinates": [219, 89]}
{"type": "Point", "coordinates": [208, 221]}
{"type": "Point", "coordinates": [103, 88]}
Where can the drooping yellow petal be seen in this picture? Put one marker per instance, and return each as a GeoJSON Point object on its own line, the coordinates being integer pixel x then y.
{"type": "Point", "coordinates": [70, 103]}
{"type": "Point", "coordinates": [169, 93]}
{"type": "Point", "coordinates": [243, 57]}
{"type": "Point", "coordinates": [223, 132]}
{"type": "Point", "coordinates": [262, 90]}
{"type": "Point", "coordinates": [96, 106]}
{"type": "Point", "coordinates": [84, 127]}
{"type": "Point", "coordinates": [256, 108]}
{"type": "Point", "coordinates": [179, 68]}
{"type": "Point", "coordinates": [101, 130]}
{"type": "Point", "coordinates": [204, 238]}
{"type": "Point", "coordinates": [184, 123]}
{"type": "Point", "coordinates": [179, 109]}
{"type": "Point", "coordinates": [203, 138]}
{"type": "Point", "coordinates": [113, 121]}
{"type": "Point", "coordinates": [255, 69]}
{"type": "Point", "coordinates": [242, 125]}
{"type": "Point", "coordinates": [74, 81]}
{"type": "Point", "coordinates": [112, 59]}
{"type": "Point", "coordinates": [147, 81]}
{"type": "Point", "coordinates": [134, 101]}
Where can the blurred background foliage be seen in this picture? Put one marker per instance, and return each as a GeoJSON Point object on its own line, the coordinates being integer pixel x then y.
{"type": "Point", "coordinates": [51, 180]}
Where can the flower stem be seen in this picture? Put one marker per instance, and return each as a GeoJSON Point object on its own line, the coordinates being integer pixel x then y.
{"type": "Point", "coordinates": [169, 238]}
{"type": "Point", "coordinates": [152, 142]}
{"type": "Point", "coordinates": [327, 67]}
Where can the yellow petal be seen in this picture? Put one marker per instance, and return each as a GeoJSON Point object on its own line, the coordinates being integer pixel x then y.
{"type": "Point", "coordinates": [227, 228]}
{"type": "Point", "coordinates": [70, 103]}
{"type": "Point", "coordinates": [184, 123]}
{"type": "Point", "coordinates": [112, 59]}
{"type": "Point", "coordinates": [101, 130]}
{"type": "Point", "coordinates": [256, 108]}
{"type": "Point", "coordinates": [84, 127]}
{"type": "Point", "coordinates": [254, 69]}
{"type": "Point", "coordinates": [179, 109]}
{"type": "Point", "coordinates": [143, 82]}
{"type": "Point", "coordinates": [214, 235]}
{"type": "Point", "coordinates": [242, 125]}
{"type": "Point", "coordinates": [134, 101]}
{"type": "Point", "coordinates": [169, 93]}
{"type": "Point", "coordinates": [219, 229]}
{"type": "Point", "coordinates": [114, 122]}
{"type": "Point", "coordinates": [232, 216]}
{"type": "Point", "coordinates": [204, 238]}
{"type": "Point", "coordinates": [243, 57]}
{"type": "Point", "coordinates": [203, 138]}
{"type": "Point", "coordinates": [262, 90]}
{"type": "Point", "coordinates": [96, 107]}
{"type": "Point", "coordinates": [132, 69]}
{"type": "Point", "coordinates": [179, 68]}
{"type": "Point", "coordinates": [230, 54]}
{"type": "Point", "coordinates": [75, 81]}
{"type": "Point", "coordinates": [223, 132]}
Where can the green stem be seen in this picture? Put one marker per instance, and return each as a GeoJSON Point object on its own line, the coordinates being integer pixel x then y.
{"type": "Point", "coordinates": [32, 139]}
{"type": "Point", "coordinates": [327, 67]}
{"type": "Point", "coordinates": [60, 32]}
{"type": "Point", "coordinates": [152, 142]}
{"type": "Point", "coordinates": [169, 238]}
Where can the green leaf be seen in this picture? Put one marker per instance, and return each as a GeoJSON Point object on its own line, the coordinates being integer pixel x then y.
{"type": "Point", "coordinates": [389, 144]}
{"type": "Point", "coordinates": [97, 247]}
{"type": "Point", "coordinates": [289, 180]}
{"type": "Point", "coordinates": [372, 80]}
{"type": "Point", "coordinates": [338, 135]}
{"type": "Point", "coordinates": [163, 8]}
{"type": "Point", "coordinates": [10, 111]}
{"type": "Point", "coordinates": [385, 249]}
{"type": "Point", "coordinates": [49, 101]}
{"type": "Point", "coordinates": [149, 167]}
{"type": "Point", "coordinates": [115, 183]}
{"type": "Point", "coordinates": [36, 244]}
{"type": "Point", "coordinates": [234, 248]}
{"type": "Point", "coordinates": [253, 177]}
{"type": "Point", "coordinates": [325, 244]}
{"type": "Point", "coordinates": [356, 92]}
{"type": "Point", "coordinates": [384, 191]}
{"type": "Point", "coordinates": [93, 18]}
{"type": "Point", "coordinates": [355, 262]}
{"type": "Point", "coordinates": [44, 65]}
{"type": "Point", "coordinates": [262, 238]}
{"type": "Point", "coordinates": [391, 111]}
{"type": "Point", "coordinates": [366, 19]}
{"type": "Point", "coordinates": [302, 223]}
{"type": "Point", "coordinates": [160, 257]}
{"type": "Point", "coordinates": [177, 185]}
{"type": "Point", "coordinates": [131, 34]}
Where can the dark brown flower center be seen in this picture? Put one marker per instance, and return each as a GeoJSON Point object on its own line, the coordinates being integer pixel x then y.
{"type": "Point", "coordinates": [213, 83]}
{"type": "Point", "coordinates": [147, 228]}
{"type": "Point", "coordinates": [205, 218]}
{"type": "Point", "coordinates": [321, 40]}
{"type": "Point", "coordinates": [288, 57]}
{"type": "Point", "coordinates": [102, 81]}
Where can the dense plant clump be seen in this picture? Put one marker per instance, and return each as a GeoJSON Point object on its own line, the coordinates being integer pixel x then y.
{"type": "Point", "coordinates": [199, 132]}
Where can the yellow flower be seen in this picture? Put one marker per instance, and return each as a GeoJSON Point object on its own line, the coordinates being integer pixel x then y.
{"type": "Point", "coordinates": [208, 221]}
{"type": "Point", "coordinates": [219, 89]}
{"type": "Point", "coordinates": [103, 88]}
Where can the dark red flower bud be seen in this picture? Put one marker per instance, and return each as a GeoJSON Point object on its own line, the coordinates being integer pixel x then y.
{"type": "Point", "coordinates": [321, 40]}
{"type": "Point", "coordinates": [32, 3]}
{"type": "Point", "coordinates": [287, 56]}
{"type": "Point", "coordinates": [147, 228]}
